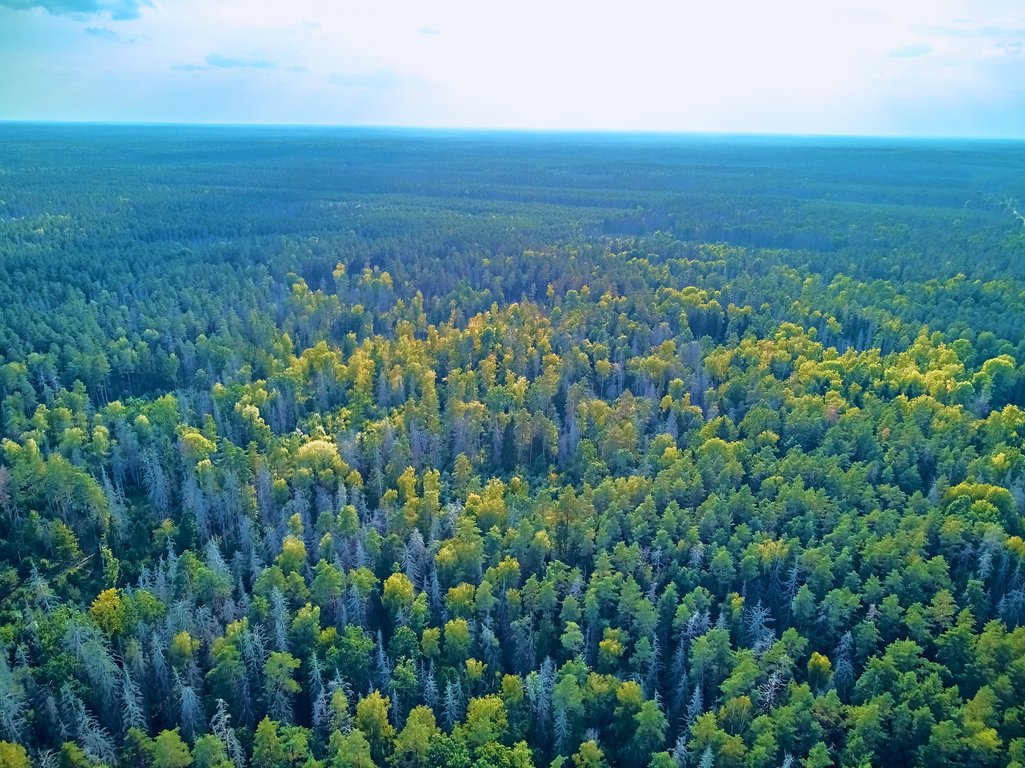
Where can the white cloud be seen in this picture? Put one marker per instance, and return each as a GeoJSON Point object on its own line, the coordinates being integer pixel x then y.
{"type": "Point", "coordinates": [784, 65]}
{"type": "Point", "coordinates": [117, 10]}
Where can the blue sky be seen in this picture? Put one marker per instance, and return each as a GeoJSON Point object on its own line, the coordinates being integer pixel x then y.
{"type": "Point", "coordinates": [920, 67]}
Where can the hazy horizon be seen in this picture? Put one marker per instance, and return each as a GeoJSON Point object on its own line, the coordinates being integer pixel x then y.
{"type": "Point", "coordinates": [525, 131]}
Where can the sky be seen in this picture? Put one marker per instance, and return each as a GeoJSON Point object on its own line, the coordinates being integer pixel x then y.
{"type": "Point", "coordinates": [848, 67]}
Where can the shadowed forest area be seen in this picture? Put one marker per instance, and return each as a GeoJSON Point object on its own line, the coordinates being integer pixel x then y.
{"type": "Point", "coordinates": [339, 448]}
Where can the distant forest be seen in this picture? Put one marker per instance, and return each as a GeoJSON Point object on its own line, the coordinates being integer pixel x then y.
{"type": "Point", "coordinates": [327, 448]}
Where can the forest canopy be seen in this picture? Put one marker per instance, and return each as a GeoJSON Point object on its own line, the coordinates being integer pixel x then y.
{"type": "Point", "coordinates": [332, 449]}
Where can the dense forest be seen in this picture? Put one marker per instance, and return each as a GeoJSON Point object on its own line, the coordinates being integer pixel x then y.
{"type": "Point", "coordinates": [355, 449]}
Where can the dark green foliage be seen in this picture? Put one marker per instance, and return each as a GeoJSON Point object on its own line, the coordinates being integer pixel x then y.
{"type": "Point", "coordinates": [327, 449]}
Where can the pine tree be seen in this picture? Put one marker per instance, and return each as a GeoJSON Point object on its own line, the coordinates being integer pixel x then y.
{"type": "Point", "coordinates": [132, 705]}
{"type": "Point", "coordinates": [220, 726]}
{"type": "Point", "coordinates": [13, 702]}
